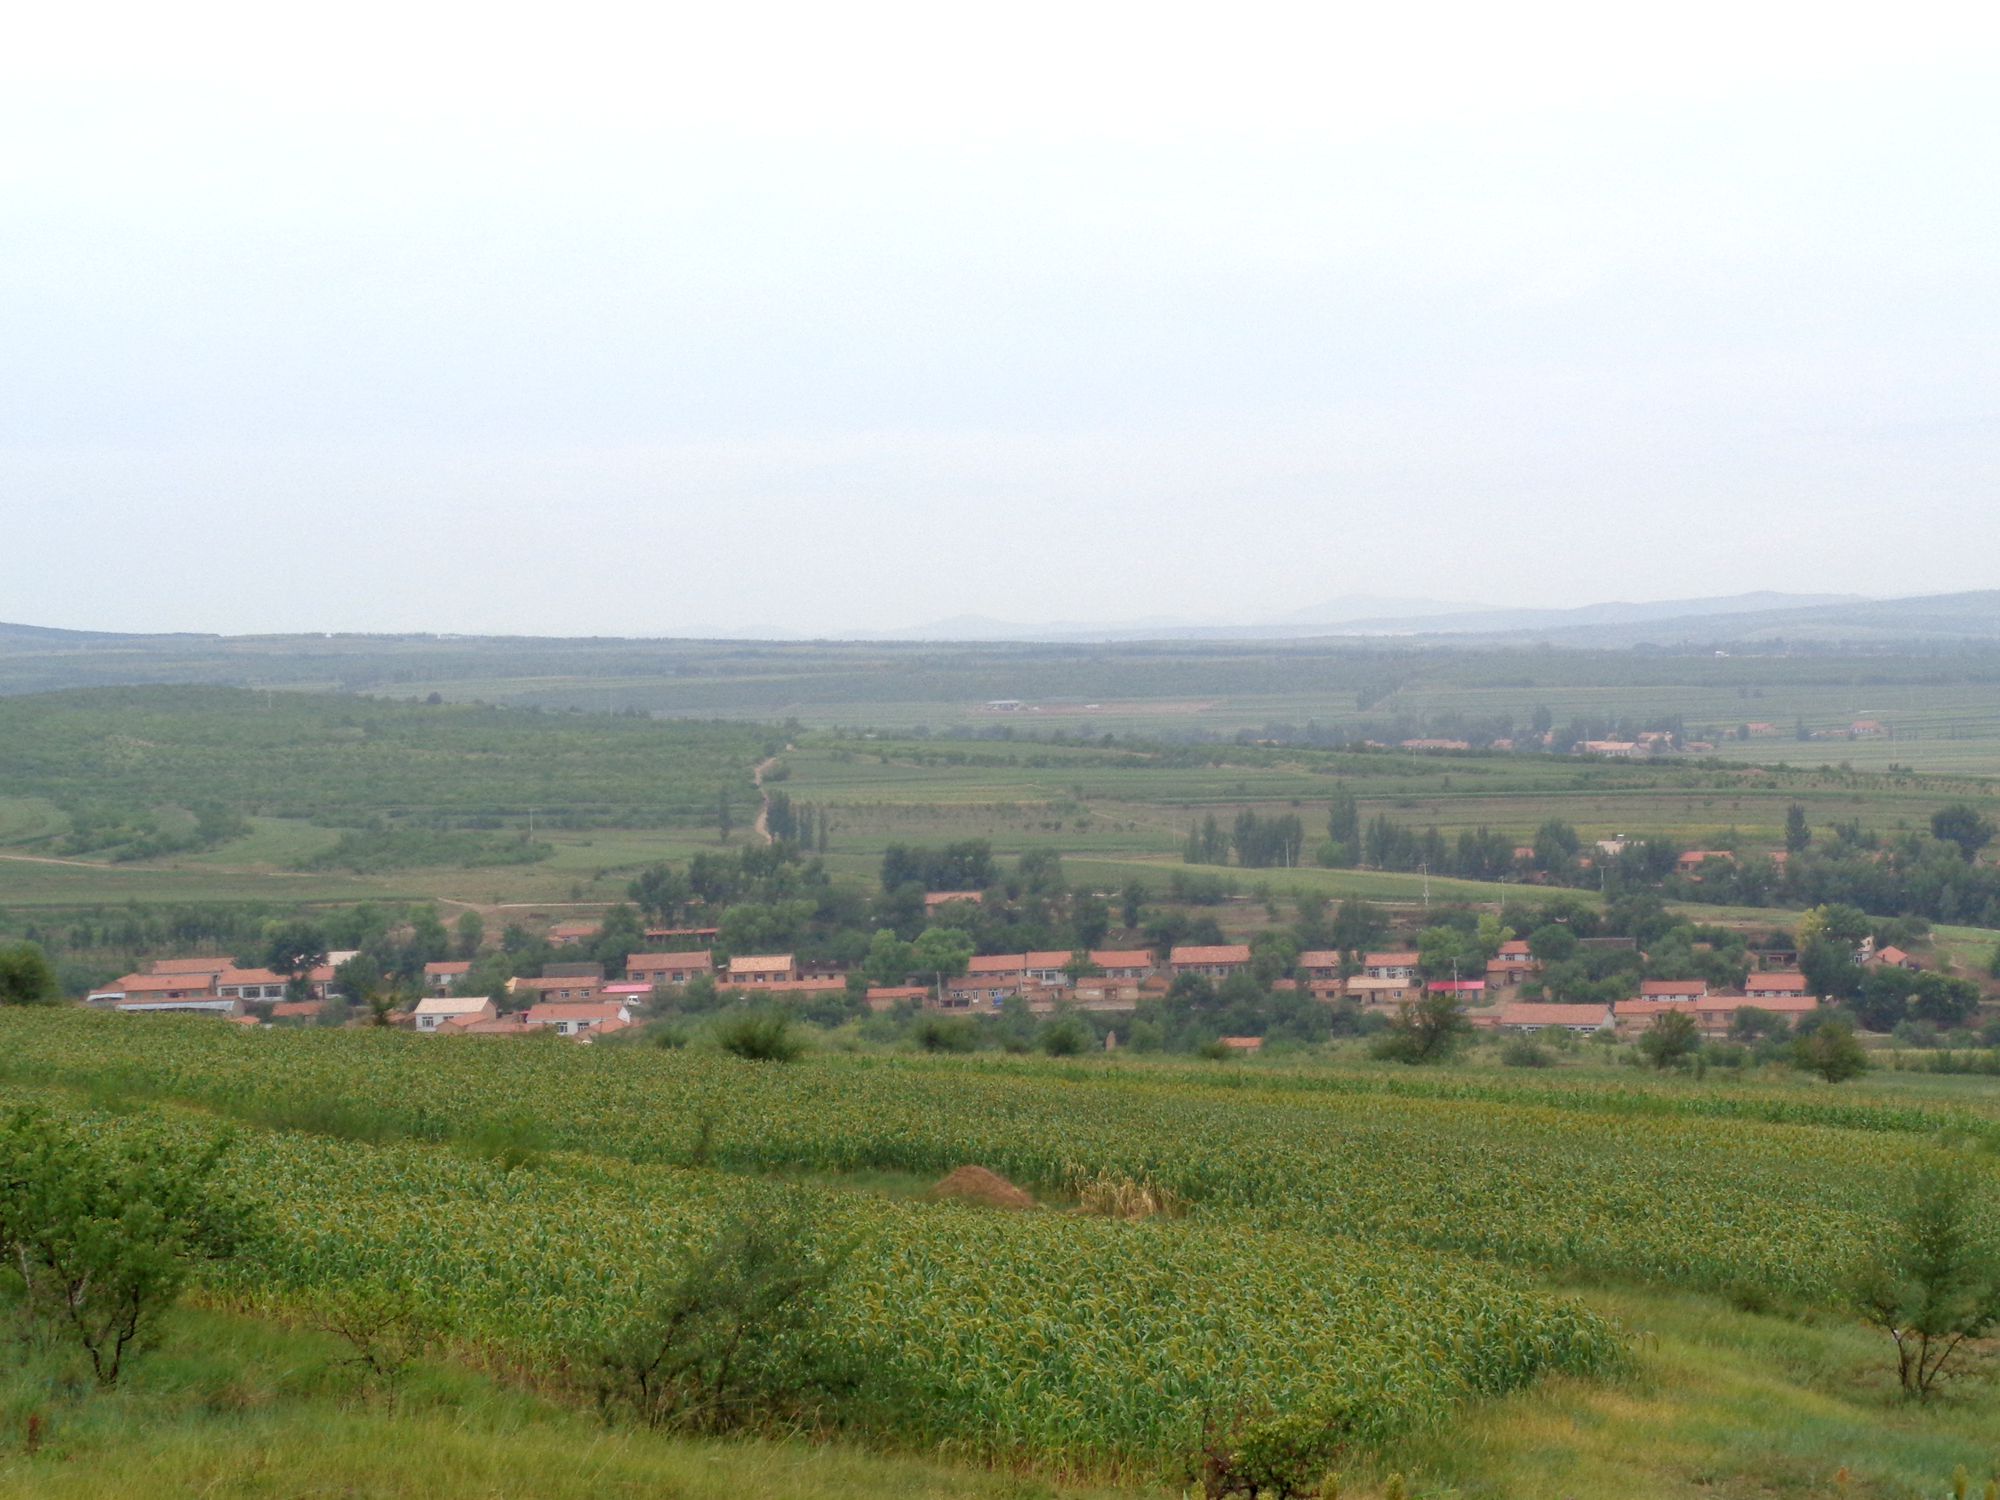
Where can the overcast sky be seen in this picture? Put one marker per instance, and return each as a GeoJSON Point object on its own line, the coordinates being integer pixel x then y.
{"type": "Point", "coordinates": [583, 319]}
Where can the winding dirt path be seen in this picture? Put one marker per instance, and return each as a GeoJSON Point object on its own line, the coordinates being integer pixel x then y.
{"type": "Point", "coordinates": [763, 823]}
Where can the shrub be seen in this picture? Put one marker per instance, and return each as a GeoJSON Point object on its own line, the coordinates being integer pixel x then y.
{"type": "Point", "coordinates": [759, 1036]}
{"type": "Point", "coordinates": [102, 1235]}
{"type": "Point", "coordinates": [1832, 1052]}
{"type": "Point", "coordinates": [1428, 1031]}
{"type": "Point", "coordinates": [1526, 1052]}
{"type": "Point", "coordinates": [1064, 1038]}
{"type": "Point", "coordinates": [727, 1336]}
{"type": "Point", "coordinates": [26, 977]}
{"type": "Point", "coordinates": [944, 1034]}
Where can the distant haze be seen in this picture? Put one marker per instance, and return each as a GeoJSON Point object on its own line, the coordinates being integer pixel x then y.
{"type": "Point", "coordinates": [835, 320]}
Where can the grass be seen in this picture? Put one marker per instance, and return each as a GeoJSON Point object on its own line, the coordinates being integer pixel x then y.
{"type": "Point", "coordinates": [1720, 1403]}
{"type": "Point", "coordinates": [237, 1409]}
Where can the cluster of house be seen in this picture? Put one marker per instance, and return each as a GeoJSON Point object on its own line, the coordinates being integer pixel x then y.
{"type": "Point", "coordinates": [216, 986]}
{"type": "Point", "coordinates": [578, 1000]}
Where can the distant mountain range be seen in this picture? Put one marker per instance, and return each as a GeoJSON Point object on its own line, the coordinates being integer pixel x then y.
{"type": "Point", "coordinates": [1367, 616]}
{"type": "Point", "coordinates": [1734, 620]}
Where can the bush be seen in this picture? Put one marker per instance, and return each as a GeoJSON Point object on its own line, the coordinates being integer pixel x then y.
{"type": "Point", "coordinates": [945, 1034]}
{"type": "Point", "coordinates": [1832, 1052]}
{"type": "Point", "coordinates": [1526, 1052]}
{"type": "Point", "coordinates": [1064, 1038]}
{"type": "Point", "coordinates": [25, 976]}
{"type": "Point", "coordinates": [102, 1235]}
{"type": "Point", "coordinates": [760, 1036]}
{"type": "Point", "coordinates": [726, 1337]}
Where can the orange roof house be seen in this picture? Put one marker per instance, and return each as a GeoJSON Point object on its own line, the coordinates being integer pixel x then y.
{"type": "Point", "coordinates": [1687, 991]}
{"type": "Point", "coordinates": [1217, 961]}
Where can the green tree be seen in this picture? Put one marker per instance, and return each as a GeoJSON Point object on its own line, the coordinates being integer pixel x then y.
{"type": "Point", "coordinates": [890, 960]}
{"type": "Point", "coordinates": [103, 1233]}
{"type": "Point", "coordinates": [942, 952]}
{"type": "Point", "coordinates": [1798, 832]}
{"type": "Point", "coordinates": [1831, 1051]}
{"type": "Point", "coordinates": [1671, 1041]}
{"type": "Point", "coordinates": [726, 1335]}
{"type": "Point", "coordinates": [1935, 1282]}
{"type": "Point", "coordinates": [295, 948]}
{"type": "Point", "coordinates": [1962, 824]}
{"type": "Point", "coordinates": [26, 977]}
{"type": "Point", "coordinates": [1428, 1031]}
{"type": "Point", "coordinates": [471, 933]}
{"type": "Point", "coordinates": [1552, 943]}
{"type": "Point", "coordinates": [725, 818]}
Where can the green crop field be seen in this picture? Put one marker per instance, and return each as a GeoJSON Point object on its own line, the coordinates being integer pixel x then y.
{"type": "Point", "coordinates": [1399, 1255]}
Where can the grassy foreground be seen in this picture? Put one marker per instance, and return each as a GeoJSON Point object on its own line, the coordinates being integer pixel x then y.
{"type": "Point", "coordinates": [231, 1407]}
{"type": "Point", "coordinates": [1719, 1403]}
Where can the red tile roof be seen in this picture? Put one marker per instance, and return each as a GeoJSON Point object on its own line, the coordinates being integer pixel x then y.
{"type": "Point", "coordinates": [191, 965]}
{"type": "Point", "coordinates": [1788, 984]}
{"type": "Point", "coordinates": [762, 963]}
{"type": "Point", "coordinates": [1524, 1013]}
{"type": "Point", "coordinates": [1122, 958]}
{"type": "Point", "coordinates": [1655, 988]}
{"type": "Point", "coordinates": [999, 963]}
{"type": "Point", "coordinates": [1226, 953]}
{"type": "Point", "coordinates": [448, 966]}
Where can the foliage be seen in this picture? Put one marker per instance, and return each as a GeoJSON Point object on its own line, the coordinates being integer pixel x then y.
{"type": "Point", "coordinates": [1935, 1282]}
{"type": "Point", "coordinates": [373, 850]}
{"type": "Point", "coordinates": [26, 977]}
{"type": "Point", "coordinates": [1831, 1051]}
{"type": "Point", "coordinates": [1427, 1031]}
{"type": "Point", "coordinates": [1671, 1041]}
{"type": "Point", "coordinates": [728, 1335]}
{"type": "Point", "coordinates": [103, 1237]}
{"type": "Point", "coordinates": [760, 1036]}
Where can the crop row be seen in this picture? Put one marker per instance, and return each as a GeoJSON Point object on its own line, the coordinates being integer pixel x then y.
{"type": "Point", "coordinates": [1555, 1184]}
{"type": "Point", "coordinates": [1081, 1343]}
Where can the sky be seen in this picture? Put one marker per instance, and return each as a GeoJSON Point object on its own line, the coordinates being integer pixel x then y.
{"type": "Point", "coordinates": [658, 320]}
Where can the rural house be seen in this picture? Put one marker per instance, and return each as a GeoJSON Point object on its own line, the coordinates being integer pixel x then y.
{"type": "Point", "coordinates": [1218, 961]}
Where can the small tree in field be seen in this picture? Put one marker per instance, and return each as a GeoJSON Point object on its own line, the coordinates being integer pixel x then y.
{"type": "Point", "coordinates": [25, 976]}
{"type": "Point", "coordinates": [1832, 1052]}
{"type": "Point", "coordinates": [1428, 1031]}
{"type": "Point", "coordinates": [727, 1335]}
{"type": "Point", "coordinates": [104, 1234]}
{"type": "Point", "coordinates": [1671, 1040]}
{"type": "Point", "coordinates": [1935, 1283]}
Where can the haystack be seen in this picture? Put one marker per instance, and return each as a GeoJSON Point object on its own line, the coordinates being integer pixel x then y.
{"type": "Point", "coordinates": [977, 1185]}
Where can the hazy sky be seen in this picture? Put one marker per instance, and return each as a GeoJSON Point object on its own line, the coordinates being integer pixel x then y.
{"type": "Point", "coordinates": [592, 319]}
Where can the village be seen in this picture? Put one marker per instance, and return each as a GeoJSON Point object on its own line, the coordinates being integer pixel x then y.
{"type": "Point", "coordinates": [581, 1001]}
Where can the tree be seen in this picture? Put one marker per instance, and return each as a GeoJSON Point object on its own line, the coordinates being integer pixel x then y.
{"type": "Point", "coordinates": [1962, 824]}
{"type": "Point", "coordinates": [943, 952]}
{"type": "Point", "coordinates": [727, 1334]}
{"type": "Point", "coordinates": [294, 949]}
{"type": "Point", "coordinates": [1132, 909]}
{"type": "Point", "coordinates": [890, 960]}
{"type": "Point", "coordinates": [1671, 1040]}
{"type": "Point", "coordinates": [471, 933]}
{"type": "Point", "coordinates": [1798, 832]}
{"type": "Point", "coordinates": [725, 820]}
{"type": "Point", "coordinates": [26, 977]}
{"type": "Point", "coordinates": [104, 1233]}
{"type": "Point", "coordinates": [1934, 1283]}
{"type": "Point", "coordinates": [1428, 1031]}
{"type": "Point", "coordinates": [1831, 1051]}
{"type": "Point", "coordinates": [1552, 943]}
